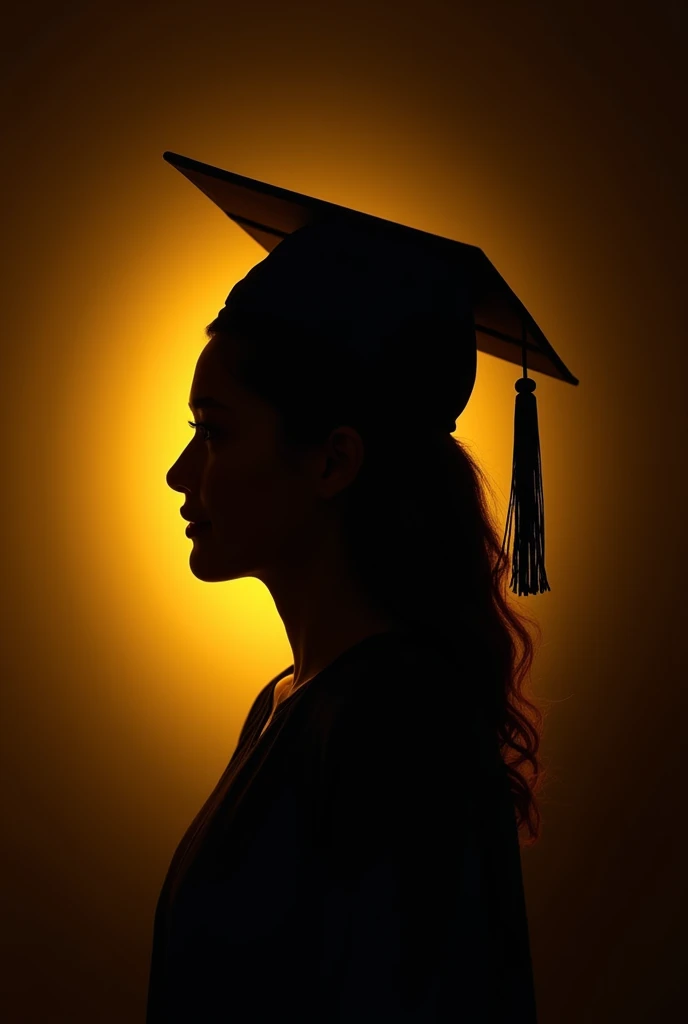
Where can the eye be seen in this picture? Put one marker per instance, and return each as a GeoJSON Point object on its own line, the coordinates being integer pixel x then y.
{"type": "Point", "coordinates": [204, 426]}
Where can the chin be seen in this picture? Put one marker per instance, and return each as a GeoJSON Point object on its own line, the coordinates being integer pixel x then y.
{"type": "Point", "coordinates": [209, 577]}
{"type": "Point", "coordinates": [206, 572]}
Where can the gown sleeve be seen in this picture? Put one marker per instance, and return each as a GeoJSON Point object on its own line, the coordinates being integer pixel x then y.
{"type": "Point", "coordinates": [423, 912]}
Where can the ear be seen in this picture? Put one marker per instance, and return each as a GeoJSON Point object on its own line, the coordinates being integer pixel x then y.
{"type": "Point", "coordinates": [340, 461]}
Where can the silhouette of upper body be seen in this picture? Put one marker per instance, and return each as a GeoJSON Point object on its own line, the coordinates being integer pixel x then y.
{"type": "Point", "coordinates": [358, 861]}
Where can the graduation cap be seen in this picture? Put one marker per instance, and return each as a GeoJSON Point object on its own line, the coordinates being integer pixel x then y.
{"type": "Point", "coordinates": [359, 278]}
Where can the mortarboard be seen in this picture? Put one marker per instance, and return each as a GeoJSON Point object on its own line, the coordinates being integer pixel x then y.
{"type": "Point", "coordinates": [358, 279]}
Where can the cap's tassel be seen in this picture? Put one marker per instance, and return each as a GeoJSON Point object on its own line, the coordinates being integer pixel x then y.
{"type": "Point", "coordinates": [526, 501]}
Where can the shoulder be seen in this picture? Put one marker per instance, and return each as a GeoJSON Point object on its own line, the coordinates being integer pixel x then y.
{"type": "Point", "coordinates": [395, 690]}
{"type": "Point", "coordinates": [399, 751]}
{"type": "Point", "coordinates": [400, 718]}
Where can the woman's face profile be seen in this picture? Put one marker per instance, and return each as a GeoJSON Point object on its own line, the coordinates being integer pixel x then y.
{"type": "Point", "coordinates": [262, 512]}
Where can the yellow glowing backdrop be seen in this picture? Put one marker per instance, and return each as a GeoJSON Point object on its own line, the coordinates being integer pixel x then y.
{"type": "Point", "coordinates": [548, 139]}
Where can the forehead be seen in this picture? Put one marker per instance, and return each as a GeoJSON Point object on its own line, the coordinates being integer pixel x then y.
{"type": "Point", "coordinates": [217, 386]}
{"type": "Point", "coordinates": [213, 382]}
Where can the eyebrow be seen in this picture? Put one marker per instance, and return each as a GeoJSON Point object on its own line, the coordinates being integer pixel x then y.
{"type": "Point", "coordinates": [206, 402]}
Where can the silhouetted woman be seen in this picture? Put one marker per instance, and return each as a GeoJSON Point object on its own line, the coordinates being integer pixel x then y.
{"type": "Point", "coordinates": [358, 860]}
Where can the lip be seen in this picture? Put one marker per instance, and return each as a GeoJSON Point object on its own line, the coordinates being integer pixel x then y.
{"type": "Point", "coordinates": [185, 515]}
{"type": "Point", "coordinates": [194, 528]}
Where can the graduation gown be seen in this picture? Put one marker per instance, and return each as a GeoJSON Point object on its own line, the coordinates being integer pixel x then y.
{"type": "Point", "coordinates": [358, 863]}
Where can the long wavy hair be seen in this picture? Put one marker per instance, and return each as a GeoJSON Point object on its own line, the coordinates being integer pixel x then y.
{"type": "Point", "coordinates": [421, 535]}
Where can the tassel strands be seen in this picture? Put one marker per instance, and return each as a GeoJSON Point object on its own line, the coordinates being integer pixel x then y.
{"type": "Point", "coordinates": [526, 503]}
